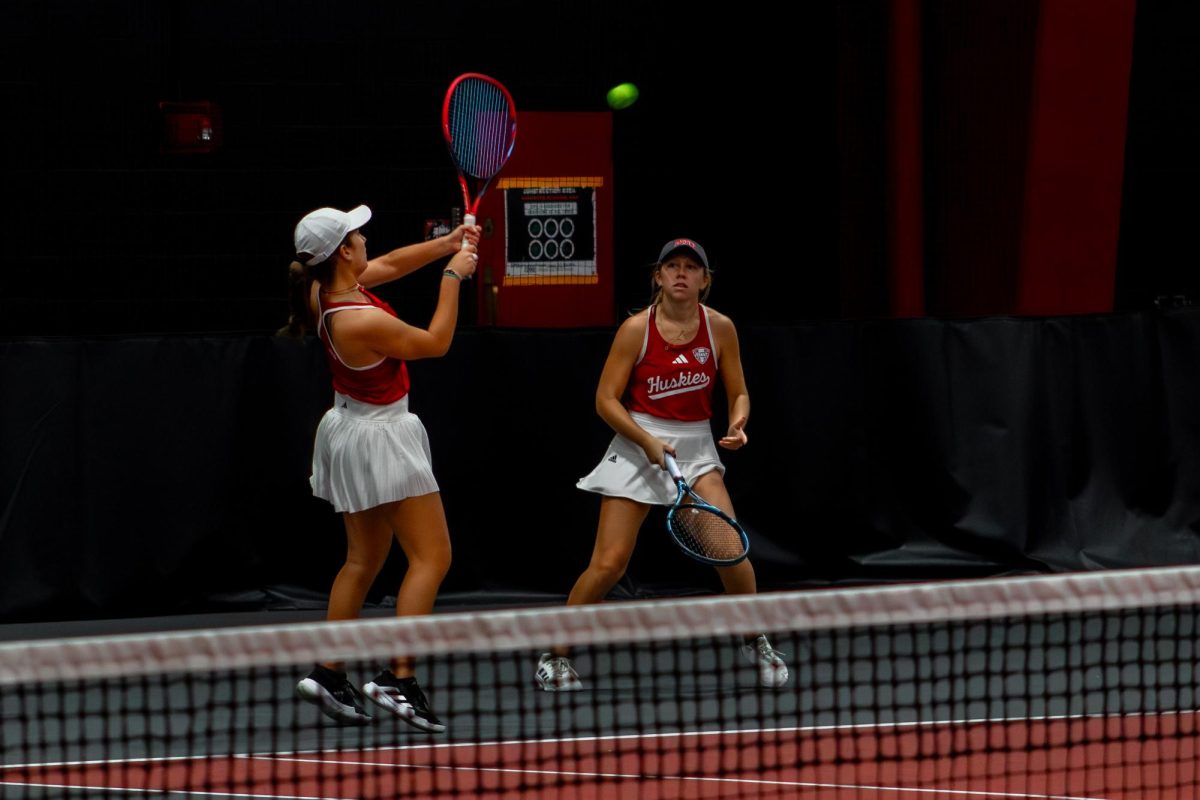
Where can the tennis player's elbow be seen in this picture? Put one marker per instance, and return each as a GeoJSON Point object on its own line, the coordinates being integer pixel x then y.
{"type": "Point", "coordinates": [426, 347]}
{"type": "Point", "coordinates": [604, 404]}
{"type": "Point", "coordinates": [437, 343]}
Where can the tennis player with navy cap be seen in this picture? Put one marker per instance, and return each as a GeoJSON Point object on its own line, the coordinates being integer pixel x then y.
{"type": "Point", "coordinates": [371, 458]}
{"type": "Point", "coordinates": [656, 394]}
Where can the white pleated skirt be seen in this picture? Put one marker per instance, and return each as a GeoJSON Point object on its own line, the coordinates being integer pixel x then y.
{"type": "Point", "coordinates": [367, 455]}
{"type": "Point", "coordinates": [626, 472]}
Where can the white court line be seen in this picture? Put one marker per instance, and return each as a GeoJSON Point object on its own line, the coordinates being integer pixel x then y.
{"type": "Point", "coordinates": [281, 755]}
{"type": "Point", "coordinates": [860, 787]}
{"type": "Point", "coordinates": [852, 726]}
{"type": "Point", "coordinates": [99, 762]}
{"type": "Point", "coordinates": [170, 792]}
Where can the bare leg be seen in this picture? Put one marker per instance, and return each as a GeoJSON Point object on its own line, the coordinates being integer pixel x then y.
{"type": "Point", "coordinates": [368, 540]}
{"type": "Point", "coordinates": [419, 524]}
{"type": "Point", "coordinates": [738, 579]}
{"type": "Point", "coordinates": [616, 534]}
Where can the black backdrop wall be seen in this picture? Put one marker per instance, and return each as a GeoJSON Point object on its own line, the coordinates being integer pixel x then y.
{"type": "Point", "coordinates": [331, 106]}
{"type": "Point", "coordinates": [157, 474]}
{"type": "Point", "coordinates": [339, 106]}
{"type": "Point", "coordinates": [152, 476]}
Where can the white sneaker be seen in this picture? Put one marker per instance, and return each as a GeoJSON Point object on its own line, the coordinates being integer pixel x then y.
{"type": "Point", "coordinates": [555, 674]}
{"type": "Point", "coordinates": [772, 672]}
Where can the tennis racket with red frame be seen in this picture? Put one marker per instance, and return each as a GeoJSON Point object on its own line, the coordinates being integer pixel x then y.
{"type": "Point", "coordinates": [480, 124]}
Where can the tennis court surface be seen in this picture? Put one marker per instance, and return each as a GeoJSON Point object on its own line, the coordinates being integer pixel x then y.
{"type": "Point", "coordinates": [1072, 686]}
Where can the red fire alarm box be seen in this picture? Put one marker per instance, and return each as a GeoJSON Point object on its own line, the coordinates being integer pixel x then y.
{"type": "Point", "coordinates": [189, 127]}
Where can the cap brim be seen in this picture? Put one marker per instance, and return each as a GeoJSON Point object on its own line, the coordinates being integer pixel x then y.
{"type": "Point", "coordinates": [683, 248]}
{"type": "Point", "coordinates": [358, 217]}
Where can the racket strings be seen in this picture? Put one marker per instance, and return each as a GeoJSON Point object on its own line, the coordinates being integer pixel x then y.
{"type": "Point", "coordinates": [706, 533]}
{"type": "Point", "coordinates": [480, 121]}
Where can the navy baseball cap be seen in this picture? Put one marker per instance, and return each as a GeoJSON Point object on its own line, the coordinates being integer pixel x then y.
{"type": "Point", "coordinates": [684, 244]}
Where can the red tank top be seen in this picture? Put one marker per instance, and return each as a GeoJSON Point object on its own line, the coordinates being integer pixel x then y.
{"type": "Point", "coordinates": [674, 381]}
{"type": "Point", "coordinates": [381, 383]}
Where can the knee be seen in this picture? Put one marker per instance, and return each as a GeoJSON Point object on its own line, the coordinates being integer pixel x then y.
{"type": "Point", "coordinates": [433, 560]}
{"type": "Point", "coordinates": [441, 562]}
{"type": "Point", "coordinates": [608, 568]}
{"type": "Point", "coordinates": [361, 570]}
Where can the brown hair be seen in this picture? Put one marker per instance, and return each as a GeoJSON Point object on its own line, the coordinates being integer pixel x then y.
{"type": "Point", "coordinates": [300, 281]}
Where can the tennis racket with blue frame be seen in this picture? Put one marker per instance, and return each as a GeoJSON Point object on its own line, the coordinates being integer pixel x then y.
{"type": "Point", "coordinates": [700, 529]}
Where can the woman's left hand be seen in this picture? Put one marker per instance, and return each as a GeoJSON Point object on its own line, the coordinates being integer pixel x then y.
{"type": "Point", "coordinates": [736, 437]}
{"type": "Point", "coordinates": [452, 241]}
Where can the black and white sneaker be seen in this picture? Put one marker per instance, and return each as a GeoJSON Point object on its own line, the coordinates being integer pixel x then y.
{"type": "Point", "coordinates": [330, 691]}
{"type": "Point", "coordinates": [403, 698]}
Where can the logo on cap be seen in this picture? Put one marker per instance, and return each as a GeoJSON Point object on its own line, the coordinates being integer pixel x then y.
{"type": "Point", "coordinates": [679, 244]}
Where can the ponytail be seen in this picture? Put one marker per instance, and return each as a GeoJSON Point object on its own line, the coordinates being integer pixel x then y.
{"type": "Point", "coordinates": [300, 281]}
{"type": "Point", "coordinates": [300, 278]}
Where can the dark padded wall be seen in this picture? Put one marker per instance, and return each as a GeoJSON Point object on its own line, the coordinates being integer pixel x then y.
{"type": "Point", "coordinates": [158, 475]}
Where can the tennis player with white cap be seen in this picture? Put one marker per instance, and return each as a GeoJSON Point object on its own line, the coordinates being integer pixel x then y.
{"type": "Point", "coordinates": [371, 459]}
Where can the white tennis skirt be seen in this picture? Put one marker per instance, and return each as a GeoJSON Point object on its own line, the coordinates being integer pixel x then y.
{"type": "Point", "coordinates": [626, 472]}
{"type": "Point", "coordinates": [367, 455]}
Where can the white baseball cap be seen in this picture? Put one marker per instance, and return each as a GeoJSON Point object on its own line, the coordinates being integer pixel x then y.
{"type": "Point", "coordinates": [321, 231]}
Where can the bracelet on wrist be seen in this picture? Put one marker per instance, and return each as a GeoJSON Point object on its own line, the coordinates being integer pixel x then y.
{"type": "Point", "coordinates": [449, 273]}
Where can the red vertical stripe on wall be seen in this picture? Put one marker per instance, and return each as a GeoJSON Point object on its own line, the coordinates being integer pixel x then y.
{"type": "Point", "coordinates": [1071, 215]}
{"type": "Point", "coordinates": [905, 221]}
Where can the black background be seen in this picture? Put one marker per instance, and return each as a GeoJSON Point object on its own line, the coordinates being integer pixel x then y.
{"type": "Point", "coordinates": [154, 437]}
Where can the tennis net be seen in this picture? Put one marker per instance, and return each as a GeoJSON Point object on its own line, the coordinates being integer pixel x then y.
{"type": "Point", "coordinates": [1072, 686]}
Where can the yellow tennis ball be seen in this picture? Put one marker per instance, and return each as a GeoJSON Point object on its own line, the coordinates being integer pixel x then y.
{"type": "Point", "coordinates": [621, 96]}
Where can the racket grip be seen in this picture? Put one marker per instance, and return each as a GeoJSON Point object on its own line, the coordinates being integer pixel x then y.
{"type": "Point", "coordinates": [468, 219]}
{"type": "Point", "coordinates": [672, 467]}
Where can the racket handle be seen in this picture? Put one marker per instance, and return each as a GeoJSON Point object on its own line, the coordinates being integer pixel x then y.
{"type": "Point", "coordinates": [468, 219]}
{"type": "Point", "coordinates": [672, 467]}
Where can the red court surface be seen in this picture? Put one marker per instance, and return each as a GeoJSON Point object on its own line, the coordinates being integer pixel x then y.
{"type": "Point", "coordinates": [1147, 757]}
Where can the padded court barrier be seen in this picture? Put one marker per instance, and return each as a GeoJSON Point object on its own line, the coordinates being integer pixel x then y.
{"type": "Point", "coordinates": [154, 476]}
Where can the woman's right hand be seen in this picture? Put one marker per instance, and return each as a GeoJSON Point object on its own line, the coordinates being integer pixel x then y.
{"type": "Point", "coordinates": [654, 450]}
{"type": "Point", "coordinates": [463, 262]}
